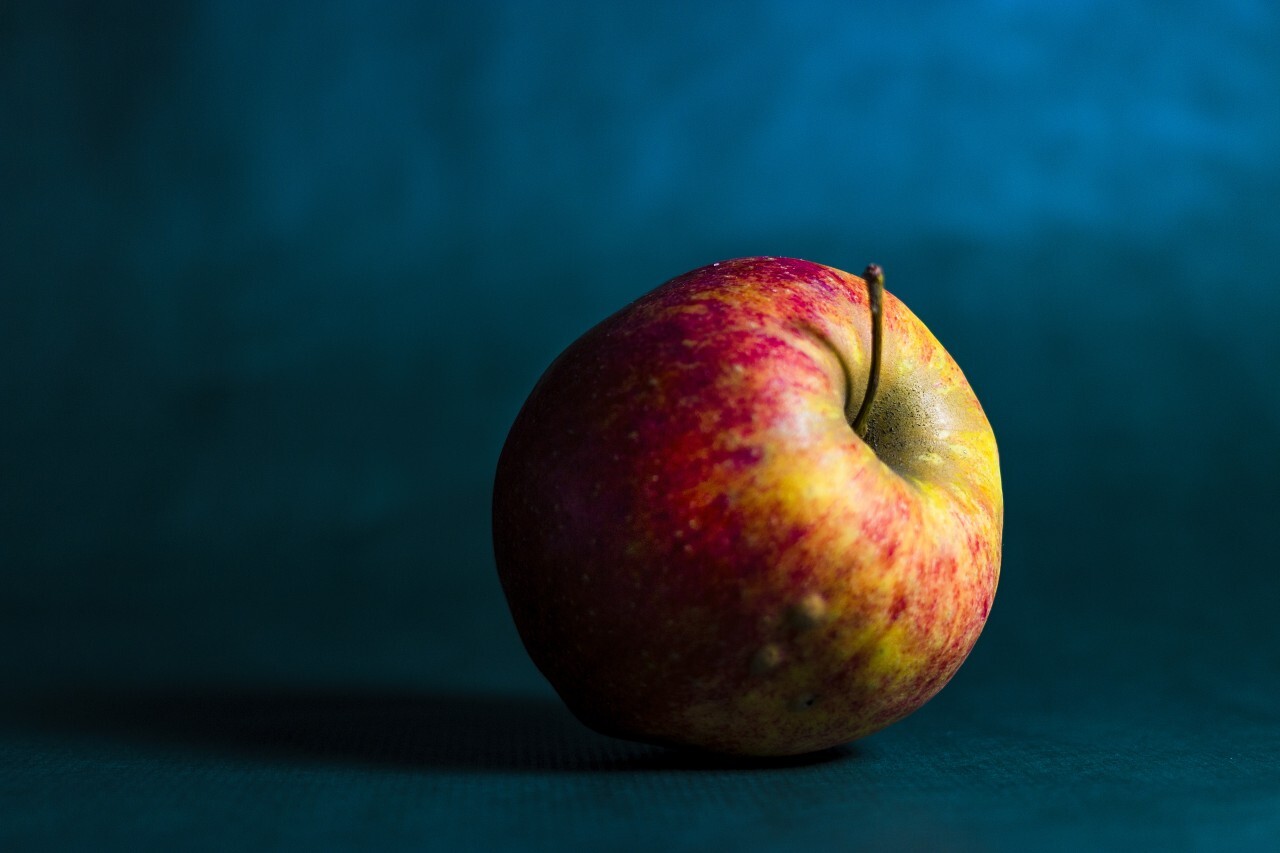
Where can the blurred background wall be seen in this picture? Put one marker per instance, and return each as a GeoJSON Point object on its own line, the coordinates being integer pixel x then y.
{"type": "Point", "coordinates": [276, 277]}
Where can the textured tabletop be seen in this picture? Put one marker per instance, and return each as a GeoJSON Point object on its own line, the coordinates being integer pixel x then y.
{"type": "Point", "coordinates": [1080, 754]}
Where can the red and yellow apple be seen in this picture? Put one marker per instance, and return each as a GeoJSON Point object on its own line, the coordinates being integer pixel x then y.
{"type": "Point", "coordinates": [699, 549]}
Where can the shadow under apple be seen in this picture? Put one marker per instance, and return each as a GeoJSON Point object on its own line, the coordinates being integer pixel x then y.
{"type": "Point", "coordinates": [399, 730]}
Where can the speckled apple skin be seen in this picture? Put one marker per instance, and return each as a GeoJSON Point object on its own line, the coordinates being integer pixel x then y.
{"type": "Point", "coordinates": [696, 547]}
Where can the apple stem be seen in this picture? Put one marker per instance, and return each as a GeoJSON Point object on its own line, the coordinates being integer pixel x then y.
{"type": "Point", "coordinates": [875, 290]}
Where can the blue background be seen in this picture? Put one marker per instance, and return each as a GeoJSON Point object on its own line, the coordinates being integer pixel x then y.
{"type": "Point", "coordinates": [277, 277]}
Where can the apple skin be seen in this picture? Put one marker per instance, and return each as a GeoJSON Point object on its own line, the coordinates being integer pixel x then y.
{"type": "Point", "coordinates": [698, 550]}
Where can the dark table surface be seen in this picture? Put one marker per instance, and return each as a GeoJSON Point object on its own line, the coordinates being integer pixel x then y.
{"type": "Point", "coordinates": [1119, 744]}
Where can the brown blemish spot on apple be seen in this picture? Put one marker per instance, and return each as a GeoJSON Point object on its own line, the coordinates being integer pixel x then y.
{"type": "Point", "coordinates": [802, 702]}
{"type": "Point", "coordinates": [766, 659]}
{"type": "Point", "coordinates": [808, 613]}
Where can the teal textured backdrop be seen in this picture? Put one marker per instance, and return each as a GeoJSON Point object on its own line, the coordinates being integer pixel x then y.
{"type": "Point", "coordinates": [277, 277]}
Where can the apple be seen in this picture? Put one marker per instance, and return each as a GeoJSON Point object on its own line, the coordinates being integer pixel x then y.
{"type": "Point", "coordinates": [757, 511]}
